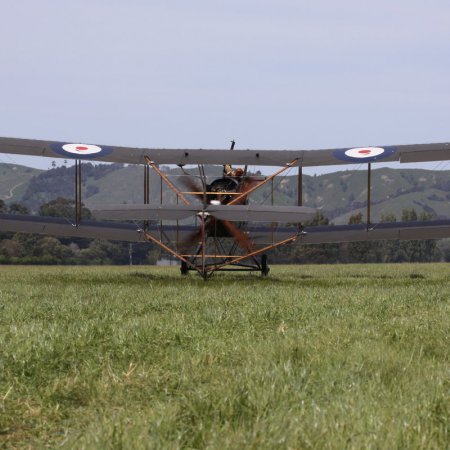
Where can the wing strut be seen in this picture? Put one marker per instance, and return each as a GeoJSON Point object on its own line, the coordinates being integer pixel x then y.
{"type": "Point", "coordinates": [369, 188]}
{"type": "Point", "coordinates": [249, 191]}
{"type": "Point", "coordinates": [252, 254]}
{"type": "Point", "coordinates": [150, 238]}
{"type": "Point", "coordinates": [300, 186]}
{"type": "Point", "coordinates": [146, 191]}
{"type": "Point", "coordinates": [163, 176]}
{"type": "Point", "coordinates": [78, 206]}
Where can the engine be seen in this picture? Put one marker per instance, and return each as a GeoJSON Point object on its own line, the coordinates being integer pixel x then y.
{"type": "Point", "coordinates": [220, 186]}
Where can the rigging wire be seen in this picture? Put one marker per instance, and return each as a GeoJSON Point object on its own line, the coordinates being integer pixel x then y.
{"type": "Point", "coordinates": [445, 165]}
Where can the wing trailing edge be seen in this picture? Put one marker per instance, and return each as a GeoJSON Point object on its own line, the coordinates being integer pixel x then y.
{"type": "Point", "coordinates": [54, 226]}
{"type": "Point", "coordinates": [133, 155]}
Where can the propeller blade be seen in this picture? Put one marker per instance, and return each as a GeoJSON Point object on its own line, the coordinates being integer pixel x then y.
{"type": "Point", "coordinates": [261, 213]}
{"type": "Point", "coordinates": [146, 212]}
{"type": "Point", "coordinates": [190, 240]}
{"type": "Point", "coordinates": [243, 240]}
{"type": "Point", "coordinates": [246, 185]}
{"type": "Point", "coordinates": [195, 236]}
{"type": "Point", "coordinates": [191, 184]}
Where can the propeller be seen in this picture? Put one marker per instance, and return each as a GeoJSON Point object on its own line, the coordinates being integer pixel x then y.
{"type": "Point", "coordinates": [246, 184]}
{"type": "Point", "coordinates": [239, 236]}
{"type": "Point", "coordinates": [194, 186]}
{"type": "Point", "coordinates": [191, 184]}
{"type": "Point", "coordinates": [243, 241]}
{"type": "Point", "coordinates": [195, 236]}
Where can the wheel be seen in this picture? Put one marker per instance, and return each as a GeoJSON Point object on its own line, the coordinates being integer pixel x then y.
{"type": "Point", "coordinates": [265, 269]}
{"type": "Point", "coordinates": [184, 268]}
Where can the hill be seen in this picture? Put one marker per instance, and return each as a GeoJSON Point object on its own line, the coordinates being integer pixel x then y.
{"type": "Point", "coordinates": [337, 194]}
{"type": "Point", "coordinates": [14, 180]}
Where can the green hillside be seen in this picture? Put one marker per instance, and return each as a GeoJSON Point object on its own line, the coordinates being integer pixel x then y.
{"type": "Point", "coordinates": [337, 194]}
{"type": "Point", "coordinates": [341, 194]}
{"type": "Point", "coordinates": [14, 181]}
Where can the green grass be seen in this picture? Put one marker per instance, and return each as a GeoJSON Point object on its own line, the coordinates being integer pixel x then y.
{"type": "Point", "coordinates": [312, 357]}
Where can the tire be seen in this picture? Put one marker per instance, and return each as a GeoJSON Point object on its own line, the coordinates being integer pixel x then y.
{"type": "Point", "coordinates": [265, 269]}
{"type": "Point", "coordinates": [184, 269]}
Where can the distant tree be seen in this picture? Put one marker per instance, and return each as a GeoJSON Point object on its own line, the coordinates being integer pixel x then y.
{"type": "Point", "coordinates": [104, 252]}
{"type": "Point", "coordinates": [50, 248]}
{"type": "Point", "coordinates": [356, 218]}
{"type": "Point", "coordinates": [28, 243]}
{"type": "Point", "coordinates": [315, 253]}
{"type": "Point", "coordinates": [360, 252]}
{"type": "Point", "coordinates": [444, 248]}
{"type": "Point", "coordinates": [11, 248]}
{"type": "Point", "coordinates": [318, 219]}
{"type": "Point", "coordinates": [25, 248]}
{"type": "Point", "coordinates": [409, 215]}
{"type": "Point", "coordinates": [62, 207]}
{"type": "Point", "coordinates": [16, 208]}
{"type": "Point", "coordinates": [388, 218]}
{"type": "Point", "coordinates": [389, 248]}
{"type": "Point", "coordinates": [424, 250]}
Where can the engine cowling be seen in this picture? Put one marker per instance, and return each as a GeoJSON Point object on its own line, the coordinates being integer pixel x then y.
{"type": "Point", "coordinates": [222, 185]}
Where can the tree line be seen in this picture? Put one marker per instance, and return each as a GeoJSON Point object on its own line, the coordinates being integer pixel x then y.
{"type": "Point", "coordinates": [25, 248]}
{"type": "Point", "coordinates": [21, 248]}
{"type": "Point", "coordinates": [383, 251]}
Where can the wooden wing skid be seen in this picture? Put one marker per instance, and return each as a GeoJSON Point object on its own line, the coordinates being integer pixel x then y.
{"type": "Point", "coordinates": [305, 158]}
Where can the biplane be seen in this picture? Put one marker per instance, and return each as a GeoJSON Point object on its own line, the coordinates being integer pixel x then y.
{"type": "Point", "coordinates": [213, 225]}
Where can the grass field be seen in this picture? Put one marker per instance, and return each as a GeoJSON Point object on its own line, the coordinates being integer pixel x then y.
{"type": "Point", "coordinates": [323, 357]}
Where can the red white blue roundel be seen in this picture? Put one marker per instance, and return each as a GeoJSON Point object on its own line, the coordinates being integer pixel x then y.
{"type": "Point", "coordinates": [80, 151]}
{"type": "Point", "coordinates": [364, 154]}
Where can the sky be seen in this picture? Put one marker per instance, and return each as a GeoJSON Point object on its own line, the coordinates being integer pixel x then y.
{"type": "Point", "coordinates": [275, 74]}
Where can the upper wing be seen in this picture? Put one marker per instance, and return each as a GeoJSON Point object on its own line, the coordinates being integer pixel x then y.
{"type": "Point", "coordinates": [133, 155]}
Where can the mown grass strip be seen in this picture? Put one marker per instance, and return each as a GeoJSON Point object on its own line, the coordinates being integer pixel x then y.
{"type": "Point", "coordinates": [311, 357]}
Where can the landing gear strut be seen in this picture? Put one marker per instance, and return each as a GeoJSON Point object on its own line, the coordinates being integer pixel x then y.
{"type": "Point", "coordinates": [265, 269]}
{"type": "Point", "coordinates": [184, 268]}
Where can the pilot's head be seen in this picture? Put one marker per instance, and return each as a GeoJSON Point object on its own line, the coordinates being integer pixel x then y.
{"type": "Point", "coordinates": [238, 172]}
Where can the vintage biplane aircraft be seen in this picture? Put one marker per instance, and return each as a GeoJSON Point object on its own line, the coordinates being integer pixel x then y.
{"type": "Point", "coordinates": [213, 226]}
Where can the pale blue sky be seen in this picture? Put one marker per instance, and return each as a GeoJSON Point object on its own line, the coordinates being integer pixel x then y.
{"type": "Point", "coordinates": [270, 73]}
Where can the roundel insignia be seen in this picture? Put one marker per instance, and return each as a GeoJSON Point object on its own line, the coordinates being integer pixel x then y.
{"type": "Point", "coordinates": [364, 154]}
{"type": "Point", "coordinates": [80, 151]}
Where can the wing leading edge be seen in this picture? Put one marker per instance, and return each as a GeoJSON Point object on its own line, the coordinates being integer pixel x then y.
{"type": "Point", "coordinates": [305, 158]}
{"type": "Point", "coordinates": [262, 235]}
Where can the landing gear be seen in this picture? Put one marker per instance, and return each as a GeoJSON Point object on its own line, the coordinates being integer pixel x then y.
{"type": "Point", "coordinates": [184, 268]}
{"type": "Point", "coordinates": [265, 269]}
